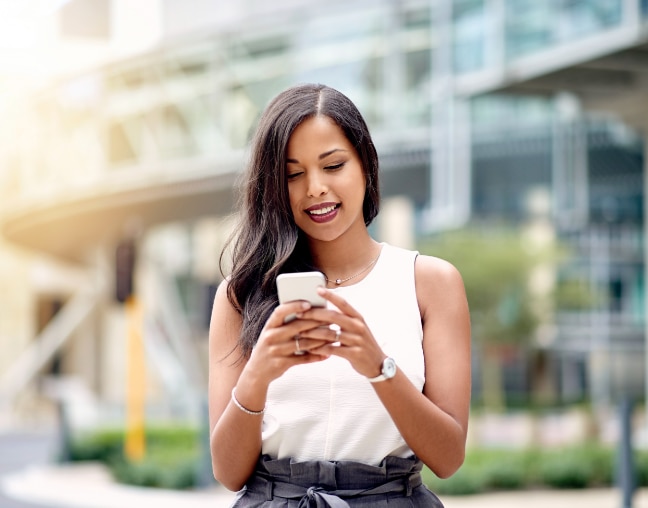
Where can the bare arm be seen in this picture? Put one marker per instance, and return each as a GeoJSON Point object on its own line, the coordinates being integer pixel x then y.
{"type": "Point", "coordinates": [233, 433]}
{"type": "Point", "coordinates": [433, 423]}
{"type": "Point", "coordinates": [235, 438]}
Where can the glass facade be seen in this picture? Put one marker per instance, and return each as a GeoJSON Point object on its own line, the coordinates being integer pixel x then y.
{"type": "Point", "coordinates": [197, 101]}
{"type": "Point", "coordinates": [200, 98]}
{"type": "Point", "coordinates": [517, 28]}
{"type": "Point", "coordinates": [470, 35]}
{"type": "Point", "coordinates": [532, 25]}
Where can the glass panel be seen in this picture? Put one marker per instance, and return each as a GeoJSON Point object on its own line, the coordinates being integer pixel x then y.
{"type": "Point", "coordinates": [469, 37]}
{"type": "Point", "coordinates": [584, 17]}
{"type": "Point", "coordinates": [533, 25]}
{"type": "Point", "coordinates": [417, 79]}
{"type": "Point", "coordinates": [120, 148]}
{"type": "Point", "coordinates": [360, 81]}
{"type": "Point", "coordinates": [528, 26]}
{"type": "Point", "coordinates": [417, 61]}
{"type": "Point", "coordinates": [347, 53]}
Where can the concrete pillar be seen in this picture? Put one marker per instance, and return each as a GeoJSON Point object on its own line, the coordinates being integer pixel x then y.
{"type": "Point", "coordinates": [645, 258]}
{"type": "Point", "coordinates": [396, 222]}
{"type": "Point", "coordinates": [450, 190]}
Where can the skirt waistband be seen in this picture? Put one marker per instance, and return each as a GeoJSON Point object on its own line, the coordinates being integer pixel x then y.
{"type": "Point", "coordinates": [324, 483]}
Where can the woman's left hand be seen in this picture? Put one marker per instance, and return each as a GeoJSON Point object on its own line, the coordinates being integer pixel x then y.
{"type": "Point", "coordinates": [354, 341]}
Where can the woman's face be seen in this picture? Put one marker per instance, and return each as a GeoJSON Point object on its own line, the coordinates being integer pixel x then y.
{"type": "Point", "coordinates": [326, 184]}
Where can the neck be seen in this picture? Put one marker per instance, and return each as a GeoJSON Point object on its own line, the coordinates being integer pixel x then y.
{"type": "Point", "coordinates": [346, 257]}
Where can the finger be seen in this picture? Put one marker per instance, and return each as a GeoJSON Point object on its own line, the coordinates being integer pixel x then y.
{"type": "Point", "coordinates": [302, 326]}
{"type": "Point", "coordinates": [311, 357]}
{"type": "Point", "coordinates": [332, 349]}
{"type": "Point", "coordinates": [307, 345]}
{"type": "Point", "coordinates": [344, 306]}
{"type": "Point", "coordinates": [334, 319]}
{"type": "Point", "coordinates": [324, 333]}
{"type": "Point", "coordinates": [287, 312]}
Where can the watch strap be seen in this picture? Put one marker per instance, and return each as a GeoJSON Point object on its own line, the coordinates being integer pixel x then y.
{"type": "Point", "coordinates": [385, 371]}
{"type": "Point", "coordinates": [377, 379]}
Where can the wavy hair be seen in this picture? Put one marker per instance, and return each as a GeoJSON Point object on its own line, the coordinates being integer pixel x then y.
{"type": "Point", "coordinates": [267, 241]}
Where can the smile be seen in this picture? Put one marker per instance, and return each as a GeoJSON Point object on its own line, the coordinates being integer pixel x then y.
{"type": "Point", "coordinates": [323, 213]}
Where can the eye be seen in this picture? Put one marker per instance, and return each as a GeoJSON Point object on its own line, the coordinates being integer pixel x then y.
{"type": "Point", "coordinates": [292, 176]}
{"type": "Point", "coordinates": [334, 167]}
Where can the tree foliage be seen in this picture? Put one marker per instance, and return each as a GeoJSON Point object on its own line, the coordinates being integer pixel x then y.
{"type": "Point", "coordinates": [495, 266]}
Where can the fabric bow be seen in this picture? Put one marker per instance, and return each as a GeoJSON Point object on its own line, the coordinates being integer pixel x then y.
{"type": "Point", "coordinates": [317, 497]}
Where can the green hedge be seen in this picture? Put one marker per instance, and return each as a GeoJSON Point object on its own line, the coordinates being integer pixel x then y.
{"type": "Point", "coordinates": [565, 468]}
{"type": "Point", "coordinates": [172, 458]}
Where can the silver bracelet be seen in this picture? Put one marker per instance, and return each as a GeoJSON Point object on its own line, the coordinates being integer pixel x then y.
{"type": "Point", "coordinates": [243, 408]}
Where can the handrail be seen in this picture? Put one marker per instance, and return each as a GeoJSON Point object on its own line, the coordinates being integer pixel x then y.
{"type": "Point", "coordinates": [57, 332]}
{"type": "Point", "coordinates": [172, 320]}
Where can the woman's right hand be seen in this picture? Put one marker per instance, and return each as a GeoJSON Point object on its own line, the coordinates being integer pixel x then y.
{"type": "Point", "coordinates": [280, 346]}
{"type": "Point", "coordinates": [236, 436]}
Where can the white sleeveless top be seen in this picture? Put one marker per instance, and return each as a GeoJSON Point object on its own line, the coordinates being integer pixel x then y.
{"type": "Point", "coordinates": [326, 410]}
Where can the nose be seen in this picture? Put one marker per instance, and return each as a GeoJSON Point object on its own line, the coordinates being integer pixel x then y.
{"type": "Point", "coordinates": [316, 184]}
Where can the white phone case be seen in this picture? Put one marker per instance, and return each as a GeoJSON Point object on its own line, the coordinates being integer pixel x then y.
{"type": "Point", "coordinates": [301, 286]}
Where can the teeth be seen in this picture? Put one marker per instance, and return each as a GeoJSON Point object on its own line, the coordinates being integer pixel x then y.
{"type": "Point", "coordinates": [322, 211]}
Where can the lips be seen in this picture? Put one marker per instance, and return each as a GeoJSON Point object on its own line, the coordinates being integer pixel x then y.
{"type": "Point", "coordinates": [323, 212]}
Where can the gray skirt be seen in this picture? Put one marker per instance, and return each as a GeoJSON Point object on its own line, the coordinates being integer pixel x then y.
{"type": "Point", "coordinates": [396, 483]}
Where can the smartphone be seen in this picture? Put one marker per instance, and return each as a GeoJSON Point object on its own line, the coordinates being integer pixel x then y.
{"type": "Point", "coordinates": [301, 286]}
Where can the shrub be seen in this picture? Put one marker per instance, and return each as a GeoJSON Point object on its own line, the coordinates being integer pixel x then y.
{"type": "Point", "coordinates": [155, 473]}
{"type": "Point", "coordinates": [171, 461]}
{"type": "Point", "coordinates": [565, 473]}
{"type": "Point", "coordinates": [641, 467]}
{"type": "Point", "coordinates": [503, 475]}
{"type": "Point", "coordinates": [492, 470]}
{"type": "Point", "coordinates": [464, 482]}
{"type": "Point", "coordinates": [577, 467]}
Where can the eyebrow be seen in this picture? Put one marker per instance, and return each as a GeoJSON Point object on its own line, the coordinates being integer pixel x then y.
{"type": "Point", "coordinates": [321, 156]}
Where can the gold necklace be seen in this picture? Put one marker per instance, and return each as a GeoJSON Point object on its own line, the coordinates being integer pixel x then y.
{"type": "Point", "coordinates": [342, 281]}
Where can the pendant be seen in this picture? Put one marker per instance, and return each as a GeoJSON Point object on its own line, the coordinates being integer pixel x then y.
{"type": "Point", "coordinates": [338, 281]}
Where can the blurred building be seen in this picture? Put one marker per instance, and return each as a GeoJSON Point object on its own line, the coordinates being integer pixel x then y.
{"type": "Point", "coordinates": [132, 133]}
{"type": "Point", "coordinates": [587, 60]}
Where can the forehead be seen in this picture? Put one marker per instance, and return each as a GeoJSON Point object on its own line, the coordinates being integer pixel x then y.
{"type": "Point", "coordinates": [319, 134]}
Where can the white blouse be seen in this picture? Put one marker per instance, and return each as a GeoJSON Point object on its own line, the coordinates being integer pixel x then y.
{"type": "Point", "coordinates": [326, 410]}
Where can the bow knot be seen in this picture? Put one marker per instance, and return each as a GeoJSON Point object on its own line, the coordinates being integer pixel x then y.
{"type": "Point", "coordinates": [317, 497]}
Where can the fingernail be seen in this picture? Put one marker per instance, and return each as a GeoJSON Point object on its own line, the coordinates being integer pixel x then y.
{"type": "Point", "coordinates": [321, 291]}
{"type": "Point", "coordinates": [305, 305]}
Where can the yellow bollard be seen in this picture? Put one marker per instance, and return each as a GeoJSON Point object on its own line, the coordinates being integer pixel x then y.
{"type": "Point", "coordinates": [135, 442]}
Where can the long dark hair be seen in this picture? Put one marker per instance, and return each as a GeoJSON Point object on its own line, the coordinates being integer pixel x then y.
{"type": "Point", "coordinates": [267, 241]}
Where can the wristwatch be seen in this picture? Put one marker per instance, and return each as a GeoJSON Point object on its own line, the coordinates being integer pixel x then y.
{"type": "Point", "coordinates": [387, 369]}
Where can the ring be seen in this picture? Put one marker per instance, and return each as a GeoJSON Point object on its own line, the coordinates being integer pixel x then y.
{"type": "Point", "coordinates": [337, 329]}
{"type": "Point", "coordinates": [298, 350]}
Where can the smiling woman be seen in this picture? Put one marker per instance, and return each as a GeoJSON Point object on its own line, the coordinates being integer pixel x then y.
{"type": "Point", "coordinates": [326, 183]}
{"type": "Point", "coordinates": [343, 405]}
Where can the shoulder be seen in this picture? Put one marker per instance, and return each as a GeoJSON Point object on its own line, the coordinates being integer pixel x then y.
{"type": "Point", "coordinates": [430, 269]}
{"type": "Point", "coordinates": [222, 297]}
{"type": "Point", "coordinates": [438, 282]}
{"type": "Point", "coordinates": [224, 311]}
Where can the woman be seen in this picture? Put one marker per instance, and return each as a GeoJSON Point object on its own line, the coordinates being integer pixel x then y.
{"type": "Point", "coordinates": [384, 385]}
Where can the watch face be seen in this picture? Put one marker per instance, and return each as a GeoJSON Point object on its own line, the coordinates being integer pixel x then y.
{"type": "Point", "coordinates": [389, 368]}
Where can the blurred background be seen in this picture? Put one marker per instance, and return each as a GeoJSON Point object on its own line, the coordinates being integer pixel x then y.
{"type": "Point", "coordinates": [511, 137]}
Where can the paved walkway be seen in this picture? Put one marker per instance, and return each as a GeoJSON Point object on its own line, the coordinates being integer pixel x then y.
{"type": "Point", "coordinates": [88, 485]}
{"type": "Point", "coordinates": [19, 450]}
